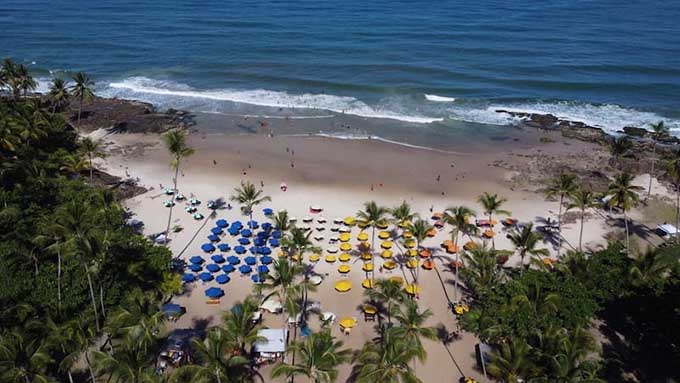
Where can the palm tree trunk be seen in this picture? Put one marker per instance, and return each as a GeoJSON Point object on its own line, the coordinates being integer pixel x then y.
{"type": "Point", "coordinates": [580, 234]}
{"type": "Point", "coordinates": [677, 212]}
{"type": "Point", "coordinates": [455, 245]}
{"type": "Point", "coordinates": [651, 172]}
{"type": "Point", "coordinates": [89, 156]}
{"type": "Point", "coordinates": [101, 300]}
{"type": "Point", "coordinates": [58, 277]}
{"type": "Point", "coordinates": [89, 367]}
{"type": "Point", "coordinates": [217, 375]}
{"type": "Point", "coordinates": [559, 226]}
{"type": "Point", "coordinates": [625, 220]}
{"type": "Point", "coordinates": [372, 259]}
{"type": "Point", "coordinates": [94, 302]}
{"type": "Point", "coordinates": [172, 203]}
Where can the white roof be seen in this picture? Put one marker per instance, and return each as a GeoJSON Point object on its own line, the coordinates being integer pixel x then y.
{"type": "Point", "coordinates": [668, 229]}
{"type": "Point", "coordinates": [275, 340]}
{"type": "Point", "coordinates": [272, 305]}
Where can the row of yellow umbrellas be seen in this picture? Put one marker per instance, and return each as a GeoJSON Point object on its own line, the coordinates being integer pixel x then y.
{"type": "Point", "coordinates": [345, 285]}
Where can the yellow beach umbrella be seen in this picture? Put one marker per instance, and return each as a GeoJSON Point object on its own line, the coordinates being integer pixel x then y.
{"type": "Point", "coordinates": [366, 256]}
{"type": "Point", "coordinates": [343, 286]}
{"type": "Point", "coordinates": [410, 244]}
{"type": "Point", "coordinates": [363, 236]}
{"type": "Point", "coordinates": [407, 235]}
{"type": "Point", "coordinates": [412, 263]}
{"type": "Point", "coordinates": [412, 252]}
{"type": "Point", "coordinates": [344, 257]}
{"type": "Point", "coordinates": [389, 265]}
{"type": "Point", "coordinates": [347, 322]}
{"type": "Point", "coordinates": [364, 246]}
{"type": "Point", "coordinates": [362, 225]}
{"type": "Point", "coordinates": [282, 254]}
{"type": "Point", "coordinates": [330, 258]}
{"type": "Point", "coordinates": [412, 289]}
{"type": "Point", "coordinates": [404, 224]}
{"type": "Point", "coordinates": [344, 237]}
{"type": "Point", "coordinates": [370, 309]}
{"type": "Point", "coordinates": [349, 221]}
{"type": "Point", "coordinates": [397, 279]}
{"type": "Point", "coordinates": [314, 258]}
{"type": "Point", "coordinates": [386, 254]}
{"type": "Point", "coordinates": [345, 246]}
{"type": "Point", "coordinates": [367, 283]}
{"type": "Point", "coordinates": [295, 257]}
{"type": "Point", "coordinates": [367, 267]}
{"type": "Point", "coordinates": [386, 245]}
{"type": "Point", "coordinates": [344, 269]}
{"type": "Point", "coordinates": [382, 225]}
{"type": "Point", "coordinates": [384, 234]}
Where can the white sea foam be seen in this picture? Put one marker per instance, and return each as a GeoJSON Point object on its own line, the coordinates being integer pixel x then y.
{"type": "Point", "coordinates": [344, 136]}
{"type": "Point", "coordinates": [435, 98]}
{"type": "Point", "coordinates": [139, 87]}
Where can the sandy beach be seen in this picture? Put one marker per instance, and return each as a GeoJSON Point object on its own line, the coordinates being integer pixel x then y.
{"type": "Point", "coordinates": [339, 175]}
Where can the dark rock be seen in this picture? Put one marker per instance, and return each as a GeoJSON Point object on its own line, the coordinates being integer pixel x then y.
{"type": "Point", "coordinates": [635, 132]}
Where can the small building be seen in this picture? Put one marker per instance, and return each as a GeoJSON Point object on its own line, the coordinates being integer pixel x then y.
{"type": "Point", "coordinates": [273, 345]}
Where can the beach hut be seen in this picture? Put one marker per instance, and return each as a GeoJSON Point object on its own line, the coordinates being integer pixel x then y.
{"type": "Point", "coordinates": [271, 344]}
{"type": "Point", "coordinates": [233, 260]}
{"type": "Point", "coordinates": [217, 258]}
{"type": "Point", "coordinates": [208, 247]}
{"type": "Point", "coordinates": [214, 292]}
{"type": "Point", "coordinates": [205, 276]}
{"type": "Point", "coordinates": [188, 277]}
{"type": "Point", "coordinates": [222, 223]}
{"type": "Point", "coordinates": [195, 267]}
{"type": "Point", "coordinates": [213, 268]}
{"type": "Point", "coordinates": [245, 269]}
{"type": "Point", "coordinates": [228, 268]}
{"type": "Point", "coordinates": [239, 249]}
{"type": "Point", "coordinates": [223, 247]}
{"type": "Point", "coordinates": [266, 260]}
{"type": "Point", "coordinates": [222, 279]}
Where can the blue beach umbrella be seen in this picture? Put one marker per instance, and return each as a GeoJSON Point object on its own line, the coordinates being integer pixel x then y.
{"type": "Point", "coordinates": [266, 260]}
{"type": "Point", "coordinates": [213, 238]}
{"type": "Point", "coordinates": [257, 278]}
{"type": "Point", "coordinates": [276, 234]}
{"type": "Point", "coordinates": [195, 267]}
{"type": "Point", "coordinates": [213, 268]}
{"type": "Point", "coordinates": [246, 233]}
{"type": "Point", "coordinates": [244, 241]}
{"type": "Point", "coordinates": [228, 268]}
{"type": "Point", "coordinates": [172, 309]}
{"type": "Point", "coordinates": [196, 260]}
{"type": "Point", "coordinates": [259, 241]}
{"type": "Point", "coordinates": [250, 260]}
{"type": "Point", "coordinates": [222, 223]}
{"type": "Point", "coordinates": [253, 224]}
{"type": "Point", "coordinates": [237, 224]}
{"type": "Point", "coordinates": [214, 292]}
{"type": "Point", "coordinates": [188, 277]}
{"type": "Point", "coordinates": [205, 276]}
{"type": "Point", "coordinates": [233, 260]}
{"type": "Point", "coordinates": [208, 247]}
{"type": "Point", "coordinates": [262, 269]}
{"type": "Point", "coordinates": [223, 247]}
{"type": "Point", "coordinates": [267, 211]}
{"type": "Point", "coordinates": [239, 249]}
{"type": "Point", "coordinates": [217, 258]}
{"type": "Point", "coordinates": [274, 242]}
{"type": "Point", "coordinates": [217, 230]}
{"type": "Point", "coordinates": [222, 279]}
{"type": "Point", "coordinates": [264, 250]}
{"type": "Point", "coordinates": [266, 226]}
{"type": "Point", "coordinates": [234, 230]}
{"type": "Point", "coordinates": [245, 269]}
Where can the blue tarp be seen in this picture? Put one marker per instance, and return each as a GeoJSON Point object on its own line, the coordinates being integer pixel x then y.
{"type": "Point", "coordinates": [233, 260]}
{"type": "Point", "coordinates": [208, 247]}
{"type": "Point", "coordinates": [222, 279]}
{"type": "Point", "coordinates": [213, 268]}
{"type": "Point", "coordinates": [222, 223]}
{"type": "Point", "coordinates": [214, 292]}
{"type": "Point", "coordinates": [205, 276]}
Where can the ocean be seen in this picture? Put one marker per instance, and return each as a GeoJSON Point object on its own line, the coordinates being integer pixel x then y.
{"type": "Point", "coordinates": [433, 64]}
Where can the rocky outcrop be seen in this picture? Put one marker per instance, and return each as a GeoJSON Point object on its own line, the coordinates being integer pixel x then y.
{"type": "Point", "coordinates": [571, 129]}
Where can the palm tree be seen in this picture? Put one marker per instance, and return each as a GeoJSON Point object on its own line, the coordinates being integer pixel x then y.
{"type": "Point", "coordinates": [525, 241]}
{"type": "Point", "coordinates": [481, 270]}
{"type": "Point", "coordinates": [651, 266]}
{"type": "Point", "coordinates": [91, 149]}
{"type": "Point", "coordinates": [282, 281]}
{"type": "Point", "coordinates": [402, 214]}
{"type": "Point", "coordinates": [569, 360]}
{"type": "Point", "coordinates": [23, 359]}
{"type": "Point", "coordinates": [458, 217]}
{"type": "Point", "coordinates": [658, 130]}
{"type": "Point", "coordinates": [320, 356]}
{"type": "Point", "coordinates": [582, 199]}
{"type": "Point", "coordinates": [249, 196]}
{"type": "Point", "coordinates": [58, 93]}
{"type": "Point", "coordinates": [282, 221]}
{"type": "Point", "coordinates": [176, 143]}
{"type": "Point", "coordinates": [215, 362]}
{"type": "Point", "coordinates": [619, 147]}
{"type": "Point", "coordinates": [24, 80]}
{"type": "Point", "coordinates": [372, 216]}
{"type": "Point", "coordinates": [511, 362]}
{"type": "Point", "coordinates": [127, 363]}
{"type": "Point", "coordinates": [82, 90]}
{"type": "Point", "coordinates": [239, 326]}
{"type": "Point", "coordinates": [492, 205]}
{"type": "Point", "coordinates": [624, 195]}
{"type": "Point", "coordinates": [298, 243]}
{"type": "Point", "coordinates": [73, 164]}
{"type": "Point", "coordinates": [561, 187]}
{"type": "Point", "coordinates": [673, 170]}
{"type": "Point", "coordinates": [419, 229]}
{"type": "Point", "coordinates": [7, 73]}
{"type": "Point", "coordinates": [412, 327]}
{"type": "Point", "coordinates": [387, 361]}
{"type": "Point", "coordinates": [388, 293]}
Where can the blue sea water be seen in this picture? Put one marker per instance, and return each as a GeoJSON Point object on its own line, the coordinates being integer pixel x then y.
{"type": "Point", "coordinates": [607, 63]}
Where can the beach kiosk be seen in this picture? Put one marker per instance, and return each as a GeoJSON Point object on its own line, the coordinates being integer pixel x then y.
{"type": "Point", "coordinates": [272, 347]}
